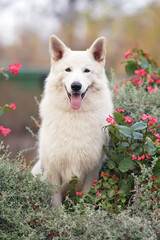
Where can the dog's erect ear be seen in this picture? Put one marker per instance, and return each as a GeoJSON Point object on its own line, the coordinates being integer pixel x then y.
{"type": "Point", "coordinates": [56, 48]}
{"type": "Point", "coordinates": [98, 49]}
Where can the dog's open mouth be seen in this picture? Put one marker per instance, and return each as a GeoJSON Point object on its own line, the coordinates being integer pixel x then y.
{"type": "Point", "coordinates": [76, 99]}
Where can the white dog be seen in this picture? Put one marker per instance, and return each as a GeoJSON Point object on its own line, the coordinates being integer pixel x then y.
{"type": "Point", "coordinates": [73, 110]}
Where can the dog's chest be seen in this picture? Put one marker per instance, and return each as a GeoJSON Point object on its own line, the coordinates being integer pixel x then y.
{"type": "Point", "coordinates": [74, 137]}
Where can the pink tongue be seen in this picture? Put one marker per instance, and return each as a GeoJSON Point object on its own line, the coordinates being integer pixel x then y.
{"type": "Point", "coordinates": [76, 101]}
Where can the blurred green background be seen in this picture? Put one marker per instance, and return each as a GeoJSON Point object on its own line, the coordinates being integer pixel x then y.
{"type": "Point", "coordinates": [25, 27]}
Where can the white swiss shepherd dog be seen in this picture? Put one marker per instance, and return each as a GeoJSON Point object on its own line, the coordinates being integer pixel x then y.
{"type": "Point", "coordinates": [73, 110]}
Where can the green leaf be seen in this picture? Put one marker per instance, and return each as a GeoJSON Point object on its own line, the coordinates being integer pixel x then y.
{"type": "Point", "coordinates": [143, 62]}
{"type": "Point", "coordinates": [1, 111]}
{"type": "Point", "coordinates": [111, 193]}
{"type": "Point", "coordinates": [5, 75]}
{"type": "Point", "coordinates": [137, 135]}
{"type": "Point", "coordinates": [119, 118]}
{"type": "Point", "coordinates": [154, 68]}
{"type": "Point", "coordinates": [138, 126]}
{"type": "Point", "coordinates": [126, 164]}
{"type": "Point", "coordinates": [124, 131]}
{"type": "Point", "coordinates": [111, 164]}
{"type": "Point", "coordinates": [130, 68]}
{"type": "Point", "coordinates": [151, 149]}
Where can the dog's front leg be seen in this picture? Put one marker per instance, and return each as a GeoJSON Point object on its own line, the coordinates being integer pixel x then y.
{"type": "Point", "coordinates": [88, 181]}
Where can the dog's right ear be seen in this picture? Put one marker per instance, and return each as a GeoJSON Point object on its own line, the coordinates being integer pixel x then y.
{"type": "Point", "coordinates": [56, 48]}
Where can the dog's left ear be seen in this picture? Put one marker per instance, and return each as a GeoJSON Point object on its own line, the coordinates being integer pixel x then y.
{"type": "Point", "coordinates": [98, 49]}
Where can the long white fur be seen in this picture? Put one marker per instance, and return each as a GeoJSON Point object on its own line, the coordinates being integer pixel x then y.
{"type": "Point", "coordinates": [71, 140]}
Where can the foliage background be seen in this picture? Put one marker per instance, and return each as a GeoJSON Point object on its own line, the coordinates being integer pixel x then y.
{"type": "Point", "coordinates": [26, 27]}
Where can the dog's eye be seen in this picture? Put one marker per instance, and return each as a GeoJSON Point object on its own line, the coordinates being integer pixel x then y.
{"type": "Point", "coordinates": [86, 70]}
{"type": "Point", "coordinates": [68, 70]}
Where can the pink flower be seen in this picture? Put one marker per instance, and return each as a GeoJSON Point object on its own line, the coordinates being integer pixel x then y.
{"type": "Point", "coordinates": [140, 72]}
{"type": "Point", "coordinates": [150, 89]}
{"type": "Point", "coordinates": [147, 56]}
{"type": "Point", "coordinates": [139, 158]}
{"type": "Point", "coordinates": [79, 193]}
{"type": "Point", "coordinates": [143, 156]}
{"type": "Point", "coordinates": [152, 120]}
{"type": "Point", "coordinates": [157, 140]}
{"type": "Point", "coordinates": [116, 88]}
{"type": "Point", "coordinates": [154, 200]}
{"type": "Point", "coordinates": [145, 116]}
{"type": "Point", "coordinates": [4, 131]}
{"type": "Point", "coordinates": [110, 119]}
{"type": "Point", "coordinates": [134, 157]}
{"type": "Point", "coordinates": [15, 68]}
{"type": "Point", "coordinates": [127, 54]}
{"type": "Point", "coordinates": [13, 106]}
{"type": "Point", "coordinates": [147, 156]}
{"type": "Point", "coordinates": [97, 192]}
{"type": "Point", "coordinates": [128, 119]}
{"type": "Point", "coordinates": [155, 76]}
{"type": "Point", "coordinates": [158, 82]}
{"type": "Point", "coordinates": [151, 80]}
{"type": "Point", "coordinates": [120, 110]}
{"type": "Point", "coordinates": [136, 82]}
{"type": "Point", "coordinates": [155, 177]}
{"type": "Point", "coordinates": [102, 174]}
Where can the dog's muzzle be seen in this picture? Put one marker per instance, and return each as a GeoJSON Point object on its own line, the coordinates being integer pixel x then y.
{"type": "Point", "coordinates": [75, 96]}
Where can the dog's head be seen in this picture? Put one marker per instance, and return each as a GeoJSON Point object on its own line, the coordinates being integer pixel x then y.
{"type": "Point", "coordinates": [78, 71]}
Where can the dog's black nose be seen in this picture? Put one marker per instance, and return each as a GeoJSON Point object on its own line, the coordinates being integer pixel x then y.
{"type": "Point", "coordinates": [76, 86]}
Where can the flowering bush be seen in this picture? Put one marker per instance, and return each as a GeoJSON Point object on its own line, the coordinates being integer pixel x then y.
{"type": "Point", "coordinates": [134, 141]}
{"type": "Point", "coordinates": [142, 69]}
{"type": "Point", "coordinates": [14, 69]}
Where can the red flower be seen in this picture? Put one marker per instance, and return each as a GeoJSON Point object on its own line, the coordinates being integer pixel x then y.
{"type": "Point", "coordinates": [79, 193]}
{"type": "Point", "coordinates": [4, 131]}
{"type": "Point", "coordinates": [136, 82]}
{"type": "Point", "coordinates": [120, 110]}
{"type": "Point", "coordinates": [13, 106]}
{"type": "Point", "coordinates": [147, 56]}
{"type": "Point", "coordinates": [134, 157]}
{"type": "Point", "coordinates": [102, 174]}
{"type": "Point", "coordinates": [157, 140]}
{"type": "Point", "coordinates": [97, 192]}
{"type": "Point", "coordinates": [155, 177]}
{"type": "Point", "coordinates": [139, 158]}
{"type": "Point", "coordinates": [114, 176]}
{"type": "Point", "coordinates": [128, 119]}
{"type": "Point", "coordinates": [145, 116]}
{"type": "Point", "coordinates": [150, 89]}
{"type": "Point", "coordinates": [110, 119]}
{"type": "Point", "coordinates": [15, 68]}
{"type": "Point", "coordinates": [158, 82]}
{"type": "Point", "coordinates": [140, 72]}
{"type": "Point", "coordinates": [151, 80]}
{"type": "Point", "coordinates": [127, 54]}
{"type": "Point", "coordinates": [154, 200]}
{"type": "Point", "coordinates": [116, 88]}
{"type": "Point", "coordinates": [155, 189]}
{"type": "Point", "coordinates": [147, 156]}
{"type": "Point", "coordinates": [152, 120]}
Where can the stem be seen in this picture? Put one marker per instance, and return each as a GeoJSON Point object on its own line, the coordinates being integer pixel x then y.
{"type": "Point", "coordinates": [140, 165]}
